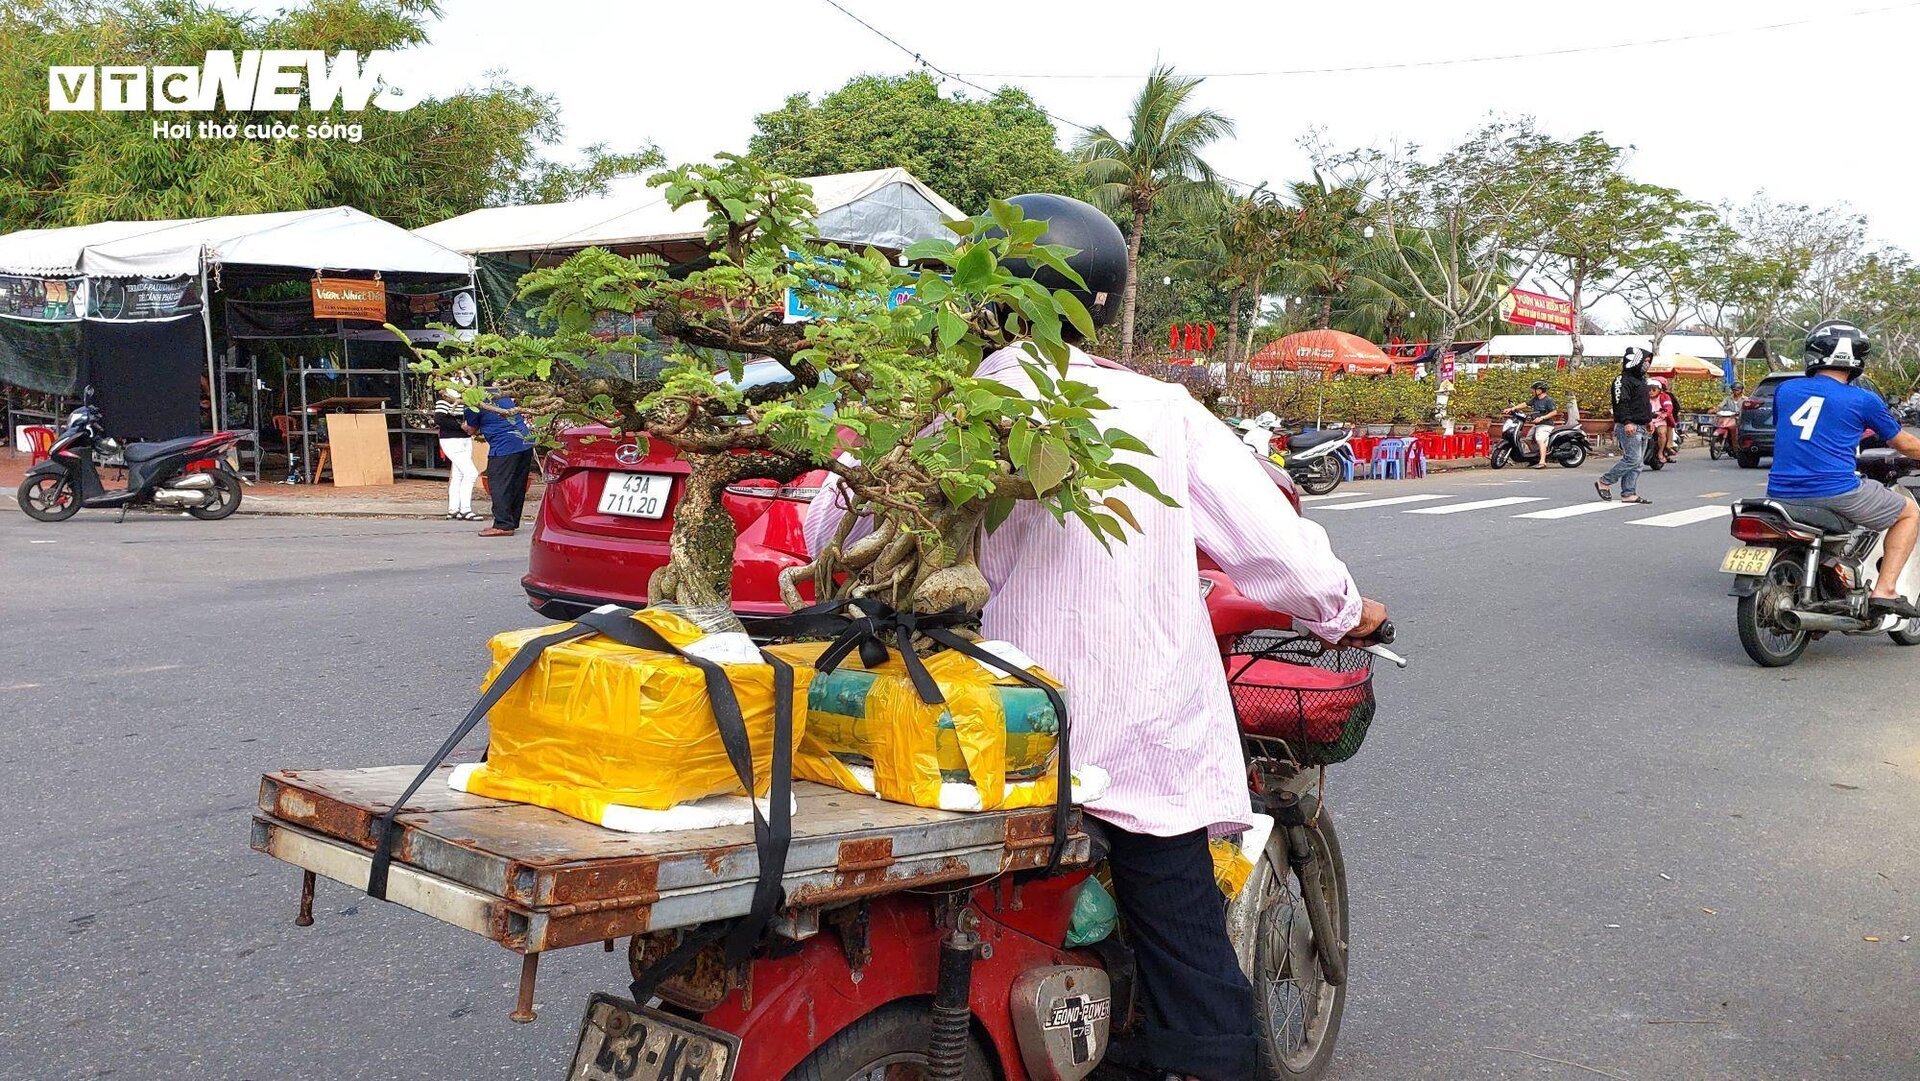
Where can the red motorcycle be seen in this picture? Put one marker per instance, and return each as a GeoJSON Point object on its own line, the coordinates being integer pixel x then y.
{"type": "Point", "coordinates": [185, 474]}
{"type": "Point", "coordinates": [979, 981]}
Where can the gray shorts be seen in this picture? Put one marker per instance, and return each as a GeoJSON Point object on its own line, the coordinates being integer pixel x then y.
{"type": "Point", "coordinates": [1871, 506]}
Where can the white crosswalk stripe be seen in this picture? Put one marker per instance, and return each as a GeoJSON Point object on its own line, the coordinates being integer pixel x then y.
{"type": "Point", "coordinates": [1331, 495]}
{"type": "Point", "coordinates": [1686, 517]}
{"type": "Point", "coordinates": [1393, 501]}
{"type": "Point", "coordinates": [1478, 504]}
{"type": "Point", "coordinates": [1574, 511]}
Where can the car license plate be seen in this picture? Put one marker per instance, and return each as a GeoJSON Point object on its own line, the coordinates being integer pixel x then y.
{"type": "Point", "coordinates": [636, 495]}
{"type": "Point", "coordinates": [1748, 559]}
{"type": "Point", "coordinates": [622, 1042]}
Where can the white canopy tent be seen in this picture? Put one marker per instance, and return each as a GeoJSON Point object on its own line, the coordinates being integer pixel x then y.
{"type": "Point", "coordinates": [888, 208]}
{"type": "Point", "coordinates": [1527, 347]}
{"type": "Point", "coordinates": [337, 238]}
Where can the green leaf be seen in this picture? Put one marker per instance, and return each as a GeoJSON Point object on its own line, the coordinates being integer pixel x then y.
{"type": "Point", "coordinates": [1048, 465]}
{"type": "Point", "coordinates": [1020, 443]}
{"type": "Point", "coordinates": [974, 269]}
{"type": "Point", "coordinates": [997, 512]}
{"type": "Point", "coordinates": [1075, 312]}
{"type": "Point", "coordinates": [1135, 476]}
{"type": "Point", "coordinates": [952, 328]}
{"type": "Point", "coordinates": [1120, 440]}
{"type": "Point", "coordinates": [936, 248]}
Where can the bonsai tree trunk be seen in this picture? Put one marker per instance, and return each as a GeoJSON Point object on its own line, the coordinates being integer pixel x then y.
{"type": "Point", "coordinates": [699, 569]}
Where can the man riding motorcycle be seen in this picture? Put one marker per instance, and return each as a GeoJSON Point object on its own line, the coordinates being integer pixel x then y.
{"type": "Point", "coordinates": [1539, 411]}
{"type": "Point", "coordinates": [1126, 631]}
{"type": "Point", "coordinates": [1819, 421]}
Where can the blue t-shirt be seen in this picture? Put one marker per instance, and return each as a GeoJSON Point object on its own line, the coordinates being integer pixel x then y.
{"type": "Point", "coordinates": [505, 435]}
{"type": "Point", "coordinates": [1818, 423]}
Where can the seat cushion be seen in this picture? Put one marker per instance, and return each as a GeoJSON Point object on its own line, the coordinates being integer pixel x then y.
{"type": "Point", "coordinates": [1310, 439]}
{"type": "Point", "coordinates": [1807, 516]}
{"type": "Point", "coordinates": [141, 452]}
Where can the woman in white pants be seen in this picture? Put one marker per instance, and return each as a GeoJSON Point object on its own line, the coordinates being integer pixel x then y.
{"type": "Point", "coordinates": [450, 416]}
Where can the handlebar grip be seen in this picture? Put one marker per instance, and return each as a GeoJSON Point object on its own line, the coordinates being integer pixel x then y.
{"type": "Point", "coordinates": [1384, 635]}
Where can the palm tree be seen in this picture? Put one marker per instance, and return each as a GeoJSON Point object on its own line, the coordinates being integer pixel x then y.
{"type": "Point", "coordinates": [1239, 247]}
{"type": "Point", "coordinates": [1328, 247]}
{"type": "Point", "coordinates": [1159, 157]}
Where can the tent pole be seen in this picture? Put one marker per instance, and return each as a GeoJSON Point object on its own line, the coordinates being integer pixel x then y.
{"type": "Point", "coordinates": [206, 324]}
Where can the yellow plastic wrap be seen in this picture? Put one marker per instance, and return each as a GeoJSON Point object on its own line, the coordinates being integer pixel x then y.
{"type": "Point", "coordinates": [594, 723]}
{"type": "Point", "coordinates": [924, 754]}
{"type": "Point", "coordinates": [1231, 867]}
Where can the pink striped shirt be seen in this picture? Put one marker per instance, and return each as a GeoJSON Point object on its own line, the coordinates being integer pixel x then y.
{"type": "Point", "coordinates": [1127, 632]}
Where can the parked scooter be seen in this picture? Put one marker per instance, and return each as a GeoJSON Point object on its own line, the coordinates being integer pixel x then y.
{"type": "Point", "coordinates": [1804, 572]}
{"type": "Point", "coordinates": [1568, 445]}
{"type": "Point", "coordinates": [180, 474]}
{"type": "Point", "coordinates": [1318, 460]}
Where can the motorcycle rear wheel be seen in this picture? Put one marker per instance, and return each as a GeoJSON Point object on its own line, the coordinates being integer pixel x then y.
{"type": "Point", "coordinates": [1574, 456]}
{"type": "Point", "coordinates": [48, 499]}
{"type": "Point", "coordinates": [226, 498]}
{"type": "Point", "coordinates": [1908, 635]}
{"type": "Point", "coordinates": [889, 1044]}
{"type": "Point", "coordinates": [1296, 1012]}
{"type": "Point", "coordinates": [1717, 449]}
{"type": "Point", "coordinates": [1325, 477]}
{"type": "Point", "coordinates": [1760, 634]}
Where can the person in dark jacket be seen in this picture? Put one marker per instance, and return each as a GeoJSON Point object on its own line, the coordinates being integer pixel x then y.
{"type": "Point", "coordinates": [1632, 413]}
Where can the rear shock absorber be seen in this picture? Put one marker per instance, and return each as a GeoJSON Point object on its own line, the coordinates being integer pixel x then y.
{"type": "Point", "coordinates": [952, 1014]}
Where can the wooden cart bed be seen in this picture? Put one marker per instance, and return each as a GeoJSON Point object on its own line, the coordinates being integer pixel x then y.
{"type": "Point", "coordinates": [534, 880]}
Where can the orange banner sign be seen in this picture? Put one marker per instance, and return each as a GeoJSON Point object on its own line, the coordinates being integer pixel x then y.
{"type": "Point", "coordinates": [1525, 309]}
{"type": "Point", "coordinates": [349, 298]}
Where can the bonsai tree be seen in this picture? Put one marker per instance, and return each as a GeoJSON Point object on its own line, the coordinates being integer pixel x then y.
{"type": "Point", "coordinates": [884, 391]}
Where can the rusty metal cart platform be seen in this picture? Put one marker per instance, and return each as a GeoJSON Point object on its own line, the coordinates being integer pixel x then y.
{"type": "Point", "coordinates": [533, 879]}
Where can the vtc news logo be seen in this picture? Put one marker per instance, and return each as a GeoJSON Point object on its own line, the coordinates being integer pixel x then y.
{"type": "Point", "coordinates": [263, 80]}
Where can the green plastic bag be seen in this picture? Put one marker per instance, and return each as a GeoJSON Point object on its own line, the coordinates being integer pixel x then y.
{"type": "Point", "coordinates": [1094, 915]}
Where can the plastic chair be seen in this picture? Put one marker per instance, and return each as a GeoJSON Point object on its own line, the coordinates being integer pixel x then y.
{"type": "Point", "coordinates": [1415, 462]}
{"type": "Point", "coordinates": [39, 442]}
{"type": "Point", "coordinates": [1389, 460]}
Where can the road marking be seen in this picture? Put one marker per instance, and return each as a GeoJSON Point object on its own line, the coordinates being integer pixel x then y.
{"type": "Point", "coordinates": [1478, 504]}
{"type": "Point", "coordinates": [1333, 495]}
{"type": "Point", "coordinates": [1576, 509]}
{"type": "Point", "coordinates": [1385, 502]}
{"type": "Point", "coordinates": [1685, 517]}
{"type": "Point", "coordinates": [1713, 495]}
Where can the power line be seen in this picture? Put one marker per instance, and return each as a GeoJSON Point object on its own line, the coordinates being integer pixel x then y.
{"type": "Point", "coordinates": [1457, 61]}
{"type": "Point", "coordinates": [963, 80]}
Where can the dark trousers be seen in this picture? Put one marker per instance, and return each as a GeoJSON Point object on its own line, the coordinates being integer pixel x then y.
{"type": "Point", "coordinates": [507, 480]}
{"type": "Point", "coordinates": [1198, 1006]}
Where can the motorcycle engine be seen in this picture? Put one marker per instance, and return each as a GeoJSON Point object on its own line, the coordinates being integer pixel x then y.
{"type": "Point", "coordinates": [1061, 1017]}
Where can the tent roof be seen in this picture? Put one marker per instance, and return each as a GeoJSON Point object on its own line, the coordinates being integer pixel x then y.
{"type": "Point", "coordinates": [1611, 345]}
{"type": "Point", "coordinates": [890, 208]}
{"type": "Point", "coordinates": [337, 238]}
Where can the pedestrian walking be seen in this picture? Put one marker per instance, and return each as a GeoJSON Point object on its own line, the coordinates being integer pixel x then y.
{"type": "Point", "coordinates": [449, 416]}
{"type": "Point", "coordinates": [1632, 414]}
{"type": "Point", "coordinates": [509, 461]}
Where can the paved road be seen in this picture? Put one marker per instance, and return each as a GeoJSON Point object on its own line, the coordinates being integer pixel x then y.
{"type": "Point", "coordinates": [1582, 812]}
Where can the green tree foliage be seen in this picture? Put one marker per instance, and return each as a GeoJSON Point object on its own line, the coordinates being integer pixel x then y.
{"type": "Point", "coordinates": [443, 157]}
{"type": "Point", "coordinates": [969, 150]}
{"type": "Point", "coordinates": [1157, 157]}
{"type": "Point", "coordinates": [940, 451]}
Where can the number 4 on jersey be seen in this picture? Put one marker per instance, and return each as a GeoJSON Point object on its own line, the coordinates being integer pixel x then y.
{"type": "Point", "coordinates": [1807, 416]}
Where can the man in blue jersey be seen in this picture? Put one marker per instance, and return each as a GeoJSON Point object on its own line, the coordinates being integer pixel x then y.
{"type": "Point", "coordinates": [1819, 421]}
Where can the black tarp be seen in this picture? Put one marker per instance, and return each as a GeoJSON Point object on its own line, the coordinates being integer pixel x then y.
{"type": "Point", "coordinates": [40, 356]}
{"type": "Point", "coordinates": [146, 375]}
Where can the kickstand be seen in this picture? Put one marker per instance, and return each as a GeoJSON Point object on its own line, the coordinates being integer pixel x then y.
{"type": "Point", "coordinates": [123, 515]}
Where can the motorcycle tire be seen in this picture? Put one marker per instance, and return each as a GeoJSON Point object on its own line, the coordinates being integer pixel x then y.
{"type": "Point", "coordinates": [1765, 643]}
{"type": "Point", "coordinates": [1747, 461]}
{"type": "Point", "coordinates": [1574, 456]}
{"type": "Point", "coordinates": [1716, 449]}
{"type": "Point", "coordinates": [47, 498]}
{"type": "Point", "coordinates": [227, 491]}
{"type": "Point", "coordinates": [895, 1035]}
{"type": "Point", "coordinates": [1908, 635]}
{"type": "Point", "coordinates": [1654, 461]}
{"type": "Point", "coordinates": [1500, 456]}
{"type": "Point", "coordinates": [1325, 478]}
{"type": "Point", "coordinates": [1294, 1046]}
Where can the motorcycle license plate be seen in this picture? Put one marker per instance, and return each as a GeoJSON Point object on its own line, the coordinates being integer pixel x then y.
{"type": "Point", "coordinates": [636, 495]}
{"type": "Point", "coordinates": [623, 1042]}
{"type": "Point", "coordinates": [1748, 559]}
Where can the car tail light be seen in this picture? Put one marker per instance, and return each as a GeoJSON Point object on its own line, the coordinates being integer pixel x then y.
{"type": "Point", "coordinates": [790, 492]}
{"type": "Point", "coordinates": [553, 466]}
{"type": "Point", "coordinates": [1748, 528]}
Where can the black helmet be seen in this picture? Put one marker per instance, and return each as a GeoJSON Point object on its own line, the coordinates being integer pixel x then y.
{"type": "Point", "coordinates": [1634, 357]}
{"type": "Point", "coordinates": [1100, 251]}
{"type": "Point", "coordinates": [1836, 344]}
{"type": "Point", "coordinates": [1540, 384]}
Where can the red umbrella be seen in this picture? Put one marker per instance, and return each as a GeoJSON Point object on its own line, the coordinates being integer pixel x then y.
{"type": "Point", "coordinates": [1323, 350]}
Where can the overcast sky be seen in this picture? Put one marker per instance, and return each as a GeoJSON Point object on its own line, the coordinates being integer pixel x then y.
{"type": "Point", "coordinates": [1820, 112]}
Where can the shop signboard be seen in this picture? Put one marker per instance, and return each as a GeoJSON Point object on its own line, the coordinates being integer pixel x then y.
{"type": "Point", "coordinates": [1525, 309]}
{"type": "Point", "coordinates": [46, 300]}
{"type": "Point", "coordinates": [349, 298]}
{"type": "Point", "coordinates": [120, 299]}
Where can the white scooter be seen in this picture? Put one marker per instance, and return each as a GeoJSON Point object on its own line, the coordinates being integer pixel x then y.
{"type": "Point", "coordinates": [1317, 461]}
{"type": "Point", "coordinates": [1804, 572]}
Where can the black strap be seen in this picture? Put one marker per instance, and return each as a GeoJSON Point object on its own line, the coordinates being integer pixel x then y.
{"type": "Point", "coordinates": [873, 627]}
{"type": "Point", "coordinates": [772, 835]}
{"type": "Point", "coordinates": [522, 660]}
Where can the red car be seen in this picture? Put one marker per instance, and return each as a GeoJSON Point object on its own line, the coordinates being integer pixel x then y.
{"type": "Point", "coordinates": [604, 522]}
